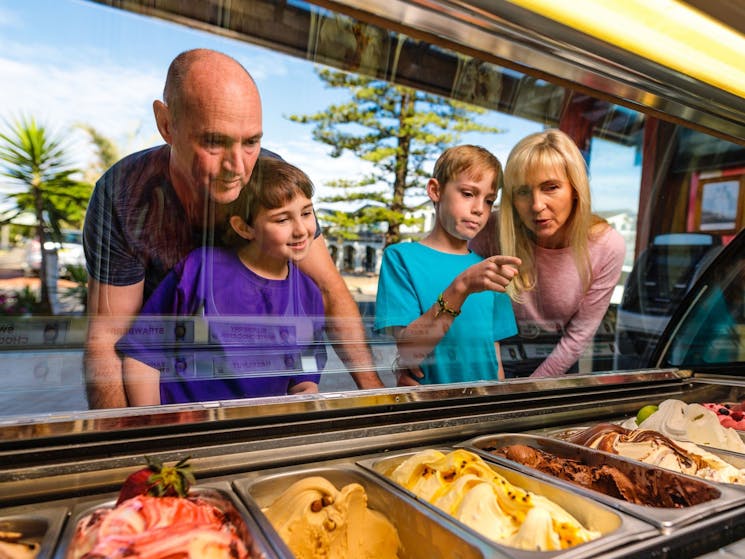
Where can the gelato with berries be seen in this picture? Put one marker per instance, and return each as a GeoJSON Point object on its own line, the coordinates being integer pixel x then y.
{"type": "Point", "coordinates": [158, 527]}
{"type": "Point", "coordinates": [729, 415]}
{"type": "Point", "coordinates": [693, 423]}
{"type": "Point", "coordinates": [157, 516]}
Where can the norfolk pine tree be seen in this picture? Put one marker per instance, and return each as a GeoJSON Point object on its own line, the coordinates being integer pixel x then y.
{"type": "Point", "coordinates": [401, 131]}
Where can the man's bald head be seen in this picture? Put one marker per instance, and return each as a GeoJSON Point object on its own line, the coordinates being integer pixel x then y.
{"type": "Point", "coordinates": [193, 66]}
{"type": "Point", "coordinates": [211, 119]}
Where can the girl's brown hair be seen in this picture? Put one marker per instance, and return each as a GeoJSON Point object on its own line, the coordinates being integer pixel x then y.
{"type": "Point", "coordinates": [273, 183]}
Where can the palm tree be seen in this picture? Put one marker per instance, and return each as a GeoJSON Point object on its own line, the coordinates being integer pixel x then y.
{"type": "Point", "coordinates": [36, 160]}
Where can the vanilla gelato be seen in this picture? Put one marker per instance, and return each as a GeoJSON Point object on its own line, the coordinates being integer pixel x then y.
{"type": "Point", "coordinates": [463, 485]}
{"type": "Point", "coordinates": [690, 423]}
{"type": "Point", "coordinates": [12, 546]}
{"type": "Point", "coordinates": [316, 520]}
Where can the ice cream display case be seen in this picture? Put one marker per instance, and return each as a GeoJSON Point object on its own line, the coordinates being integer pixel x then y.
{"type": "Point", "coordinates": [432, 471]}
{"type": "Point", "coordinates": [56, 468]}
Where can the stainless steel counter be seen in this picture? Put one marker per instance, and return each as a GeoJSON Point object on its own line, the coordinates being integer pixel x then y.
{"type": "Point", "coordinates": [56, 461]}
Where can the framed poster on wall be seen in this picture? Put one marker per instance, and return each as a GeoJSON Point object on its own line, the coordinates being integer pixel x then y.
{"type": "Point", "coordinates": [719, 205]}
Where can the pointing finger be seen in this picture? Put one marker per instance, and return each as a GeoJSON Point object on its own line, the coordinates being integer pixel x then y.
{"type": "Point", "coordinates": [504, 260]}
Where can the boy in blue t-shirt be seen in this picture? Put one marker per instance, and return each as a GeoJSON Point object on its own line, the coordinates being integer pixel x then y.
{"type": "Point", "coordinates": [445, 305]}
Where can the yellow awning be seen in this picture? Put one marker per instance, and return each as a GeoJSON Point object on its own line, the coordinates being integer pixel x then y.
{"type": "Point", "coordinates": [665, 31]}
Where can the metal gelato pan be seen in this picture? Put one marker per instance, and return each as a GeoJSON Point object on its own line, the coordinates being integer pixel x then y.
{"type": "Point", "coordinates": [616, 528]}
{"type": "Point", "coordinates": [715, 497]}
{"type": "Point", "coordinates": [218, 494]}
{"type": "Point", "coordinates": [38, 529]}
{"type": "Point", "coordinates": [423, 534]}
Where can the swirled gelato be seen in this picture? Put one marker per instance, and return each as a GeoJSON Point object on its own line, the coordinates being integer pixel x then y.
{"type": "Point", "coordinates": [656, 449]}
{"type": "Point", "coordinates": [464, 486]}
{"type": "Point", "coordinates": [316, 520]}
{"type": "Point", "coordinates": [158, 527]}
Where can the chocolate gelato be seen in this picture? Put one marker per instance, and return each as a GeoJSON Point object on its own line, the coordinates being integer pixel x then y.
{"type": "Point", "coordinates": [649, 487]}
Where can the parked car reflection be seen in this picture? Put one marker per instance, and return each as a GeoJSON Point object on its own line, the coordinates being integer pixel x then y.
{"type": "Point", "coordinates": [707, 331]}
{"type": "Point", "coordinates": [69, 253]}
{"type": "Point", "coordinates": [661, 276]}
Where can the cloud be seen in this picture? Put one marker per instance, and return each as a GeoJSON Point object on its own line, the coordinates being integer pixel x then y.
{"type": "Point", "coordinates": [113, 98]}
{"type": "Point", "coordinates": [312, 157]}
{"type": "Point", "coordinates": [8, 18]}
{"type": "Point", "coordinates": [265, 67]}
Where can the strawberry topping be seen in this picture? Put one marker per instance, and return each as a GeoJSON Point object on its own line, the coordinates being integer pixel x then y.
{"type": "Point", "coordinates": [158, 480]}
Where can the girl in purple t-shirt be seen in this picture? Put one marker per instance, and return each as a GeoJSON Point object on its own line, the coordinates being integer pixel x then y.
{"type": "Point", "coordinates": [259, 330]}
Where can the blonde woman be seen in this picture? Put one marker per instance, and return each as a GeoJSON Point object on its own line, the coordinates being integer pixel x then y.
{"type": "Point", "coordinates": [571, 258]}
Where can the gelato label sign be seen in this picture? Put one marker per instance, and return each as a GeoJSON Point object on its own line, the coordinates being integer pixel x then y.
{"type": "Point", "coordinates": [179, 366]}
{"type": "Point", "coordinates": [33, 372]}
{"type": "Point", "coordinates": [534, 351]}
{"type": "Point", "coordinates": [252, 333]}
{"type": "Point", "coordinates": [19, 332]}
{"type": "Point", "coordinates": [257, 364]}
{"type": "Point", "coordinates": [159, 330]}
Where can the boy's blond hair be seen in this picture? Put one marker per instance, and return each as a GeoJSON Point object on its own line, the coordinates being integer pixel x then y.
{"type": "Point", "coordinates": [470, 159]}
{"type": "Point", "coordinates": [273, 184]}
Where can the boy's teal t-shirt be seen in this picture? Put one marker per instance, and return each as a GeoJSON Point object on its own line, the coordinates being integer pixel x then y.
{"type": "Point", "coordinates": [411, 277]}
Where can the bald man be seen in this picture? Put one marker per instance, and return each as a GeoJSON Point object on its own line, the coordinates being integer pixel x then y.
{"type": "Point", "coordinates": [153, 207]}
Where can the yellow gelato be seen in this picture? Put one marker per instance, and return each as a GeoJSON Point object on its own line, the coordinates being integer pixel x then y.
{"type": "Point", "coordinates": [13, 547]}
{"type": "Point", "coordinates": [318, 521]}
{"type": "Point", "coordinates": [463, 485]}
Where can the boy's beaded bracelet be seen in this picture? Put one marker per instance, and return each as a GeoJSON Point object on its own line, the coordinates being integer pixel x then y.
{"type": "Point", "coordinates": [443, 308]}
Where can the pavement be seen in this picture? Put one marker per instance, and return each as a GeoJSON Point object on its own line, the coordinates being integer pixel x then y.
{"type": "Point", "coordinates": [363, 286]}
{"type": "Point", "coordinates": [12, 279]}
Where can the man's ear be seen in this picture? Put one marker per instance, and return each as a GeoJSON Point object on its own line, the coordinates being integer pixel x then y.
{"type": "Point", "coordinates": [433, 190]}
{"type": "Point", "coordinates": [242, 228]}
{"type": "Point", "coordinates": [163, 120]}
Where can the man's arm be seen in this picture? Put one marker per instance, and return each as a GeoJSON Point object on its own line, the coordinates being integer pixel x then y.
{"type": "Point", "coordinates": [110, 311]}
{"type": "Point", "coordinates": [141, 383]}
{"type": "Point", "coordinates": [343, 321]}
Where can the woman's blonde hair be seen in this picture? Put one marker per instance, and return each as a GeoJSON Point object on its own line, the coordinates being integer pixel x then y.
{"type": "Point", "coordinates": [551, 149]}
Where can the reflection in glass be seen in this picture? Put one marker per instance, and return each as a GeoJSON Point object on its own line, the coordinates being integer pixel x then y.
{"type": "Point", "coordinates": [663, 167]}
{"type": "Point", "coordinates": [713, 332]}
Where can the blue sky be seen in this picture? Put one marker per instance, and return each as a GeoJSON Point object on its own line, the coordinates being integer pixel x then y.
{"type": "Point", "coordinates": [68, 61]}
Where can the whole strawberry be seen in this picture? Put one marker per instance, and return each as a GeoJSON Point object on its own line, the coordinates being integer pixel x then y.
{"type": "Point", "coordinates": [158, 480]}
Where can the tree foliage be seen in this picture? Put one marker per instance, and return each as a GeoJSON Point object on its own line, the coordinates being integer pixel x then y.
{"type": "Point", "coordinates": [106, 152]}
{"type": "Point", "coordinates": [35, 160]}
{"type": "Point", "coordinates": [400, 131]}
